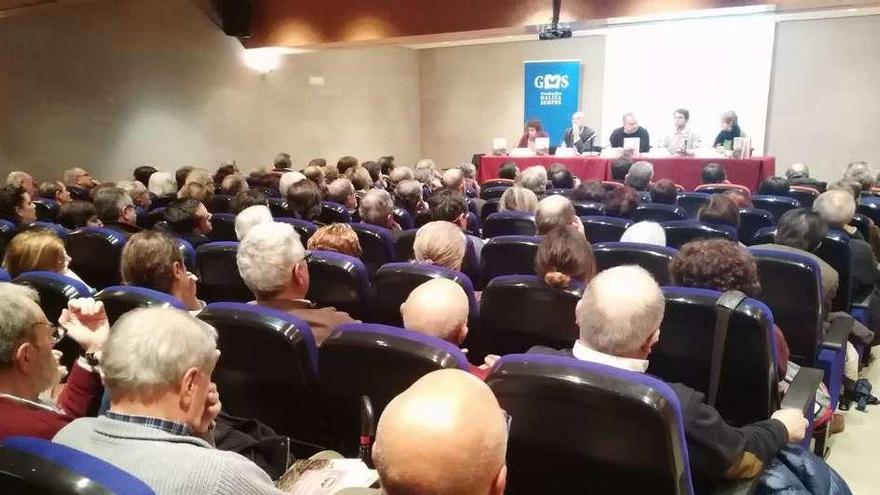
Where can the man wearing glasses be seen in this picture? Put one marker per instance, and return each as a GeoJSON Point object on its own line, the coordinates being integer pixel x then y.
{"type": "Point", "coordinates": [29, 366]}
{"type": "Point", "coordinates": [79, 182]}
{"type": "Point", "coordinates": [116, 210]}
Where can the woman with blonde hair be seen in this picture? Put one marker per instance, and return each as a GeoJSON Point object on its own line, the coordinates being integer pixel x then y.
{"type": "Point", "coordinates": [337, 237]}
{"type": "Point", "coordinates": [37, 250]}
{"type": "Point", "coordinates": [565, 256]}
{"type": "Point", "coordinates": [518, 198]}
{"type": "Point", "coordinates": [440, 243]}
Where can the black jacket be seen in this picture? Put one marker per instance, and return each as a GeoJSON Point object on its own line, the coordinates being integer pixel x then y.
{"type": "Point", "coordinates": [584, 141]}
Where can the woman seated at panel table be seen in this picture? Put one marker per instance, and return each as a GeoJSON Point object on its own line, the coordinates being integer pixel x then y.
{"type": "Point", "coordinates": [533, 129]}
{"type": "Point", "coordinates": [729, 130]}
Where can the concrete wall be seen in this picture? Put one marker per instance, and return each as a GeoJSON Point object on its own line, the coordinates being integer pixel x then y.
{"type": "Point", "coordinates": [111, 84]}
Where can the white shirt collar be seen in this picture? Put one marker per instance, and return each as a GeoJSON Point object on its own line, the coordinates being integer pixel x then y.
{"type": "Point", "coordinates": [584, 353]}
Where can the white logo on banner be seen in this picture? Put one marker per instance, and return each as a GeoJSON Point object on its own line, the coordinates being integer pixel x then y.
{"type": "Point", "coordinates": [549, 82]}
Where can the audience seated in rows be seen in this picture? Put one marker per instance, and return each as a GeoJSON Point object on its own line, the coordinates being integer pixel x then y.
{"type": "Point", "coordinates": [29, 367]}
{"type": "Point", "coordinates": [360, 180]}
{"type": "Point", "coordinates": [16, 206]}
{"type": "Point", "coordinates": [233, 184]}
{"type": "Point", "coordinates": [720, 210]}
{"type": "Point", "coordinates": [622, 335]}
{"type": "Point", "coordinates": [556, 211]}
{"type": "Point", "coordinates": [249, 217]}
{"type": "Point", "coordinates": [518, 198]}
{"type": "Point", "coordinates": [453, 180]}
{"type": "Point", "coordinates": [561, 177]}
{"type": "Point", "coordinates": [247, 198]}
{"type": "Point", "coordinates": [533, 178]}
{"type": "Point", "coordinates": [345, 163]}
{"type": "Point", "coordinates": [189, 220]}
{"type": "Point", "coordinates": [225, 170]}
{"type": "Point", "coordinates": [740, 197]}
{"type": "Point", "coordinates": [199, 176]}
{"type": "Point", "coordinates": [197, 191]}
{"type": "Point", "coordinates": [398, 175]}
{"type": "Point", "coordinates": [645, 233]}
{"type": "Point", "coordinates": [116, 210]}
{"type": "Point", "coordinates": [79, 179]}
{"type": "Point", "coordinates": [564, 256]}
{"type": "Point", "coordinates": [451, 206]}
{"type": "Point", "coordinates": [288, 179]}
{"type": "Point", "coordinates": [471, 186]}
{"type": "Point", "coordinates": [55, 191]}
{"type": "Point", "coordinates": [23, 180]}
{"type": "Point", "coordinates": [152, 259]}
{"type": "Point", "coordinates": [282, 163]}
{"type": "Point", "coordinates": [337, 237]}
{"type": "Point", "coordinates": [639, 176]}
{"type": "Point", "coordinates": [799, 175]}
{"type": "Point", "coordinates": [181, 174]}
{"type": "Point", "coordinates": [37, 250]}
{"type": "Point", "coordinates": [440, 243]}
{"type": "Point", "coordinates": [860, 172]}
{"type": "Point", "coordinates": [273, 264]}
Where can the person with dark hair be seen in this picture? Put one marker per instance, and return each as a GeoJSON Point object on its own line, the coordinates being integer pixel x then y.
{"type": "Point", "coordinates": [181, 174]}
{"type": "Point", "coordinates": [304, 200]}
{"type": "Point", "coordinates": [720, 210]}
{"type": "Point", "coordinates": [631, 129]}
{"type": "Point", "coordinates": [565, 256]}
{"type": "Point", "coordinates": [16, 205]}
{"type": "Point", "coordinates": [683, 140]}
{"type": "Point", "coordinates": [282, 163]}
{"type": "Point", "coordinates": [386, 164]}
{"type": "Point", "coordinates": [142, 174]}
{"type": "Point", "coordinates": [664, 191]}
{"type": "Point", "coordinates": [729, 130]}
{"type": "Point", "coordinates": [714, 173]}
{"type": "Point", "coordinates": [55, 191]}
{"type": "Point", "coordinates": [561, 177]}
{"type": "Point", "coordinates": [116, 210]}
{"type": "Point", "coordinates": [619, 169]}
{"type": "Point", "coordinates": [224, 170]}
{"type": "Point", "coordinates": [189, 220]}
{"type": "Point", "coordinates": [233, 184]}
{"type": "Point", "coordinates": [509, 170]}
{"type": "Point", "coordinates": [151, 259]}
{"type": "Point", "coordinates": [774, 186]}
{"type": "Point", "coordinates": [244, 199]}
{"type": "Point", "coordinates": [77, 214]}
{"type": "Point", "coordinates": [409, 195]}
{"type": "Point", "coordinates": [591, 191]}
{"type": "Point", "coordinates": [621, 202]}
{"type": "Point", "coordinates": [375, 171]}
{"type": "Point", "coordinates": [345, 163]}
{"type": "Point", "coordinates": [451, 206]}
{"type": "Point", "coordinates": [740, 197]}
{"type": "Point", "coordinates": [317, 162]}
{"type": "Point", "coordinates": [532, 130]}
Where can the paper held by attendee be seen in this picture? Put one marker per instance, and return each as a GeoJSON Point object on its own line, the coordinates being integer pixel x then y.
{"type": "Point", "coordinates": [499, 146]}
{"type": "Point", "coordinates": [327, 476]}
{"type": "Point", "coordinates": [542, 145]}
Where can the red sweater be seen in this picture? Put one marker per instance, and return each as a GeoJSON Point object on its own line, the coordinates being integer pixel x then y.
{"type": "Point", "coordinates": [22, 417]}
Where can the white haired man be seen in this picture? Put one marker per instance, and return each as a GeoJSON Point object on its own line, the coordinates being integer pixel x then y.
{"type": "Point", "coordinates": [29, 367]}
{"type": "Point", "coordinates": [579, 136]}
{"type": "Point", "coordinates": [249, 217]}
{"type": "Point", "coordinates": [23, 180]}
{"type": "Point", "coordinates": [342, 191]}
{"type": "Point", "coordinates": [116, 210]}
{"type": "Point", "coordinates": [619, 318]}
{"type": "Point", "coordinates": [79, 182]}
{"type": "Point", "coordinates": [556, 211]}
{"type": "Point", "coordinates": [273, 264]}
{"type": "Point", "coordinates": [639, 176]}
{"type": "Point", "coordinates": [377, 208]}
{"type": "Point", "coordinates": [157, 367]}
{"type": "Point", "coordinates": [533, 178]}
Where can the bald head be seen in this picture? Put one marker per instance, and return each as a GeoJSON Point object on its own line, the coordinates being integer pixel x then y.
{"type": "Point", "coordinates": [445, 435]}
{"type": "Point", "coordinates": [454, 179]}
{"type": "Point", "coordinates": [556, 211]}
{"type": "Point", "coordinates": [438, 308]}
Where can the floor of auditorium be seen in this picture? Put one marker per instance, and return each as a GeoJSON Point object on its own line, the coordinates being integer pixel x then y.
{"type": "Point", "coordinates": [854, 451]}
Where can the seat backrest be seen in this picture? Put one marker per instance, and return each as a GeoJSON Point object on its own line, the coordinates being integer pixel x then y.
{"type": "Point", "coordinates": [4, 275]}
{"type": "Point", "coordinates": [380, 362]}
{"type": "Point", "coordinates": [681, 232]}
{"type": "Point", "coordinates": [219, 278]}
{"type": "Point", "coordinates": [776, 205]}
{"type": "Point", "coordinates": [267, 368]}
{"type": "Point", "coordinates": [7, 230]}
{"type": "Point", "coordinates": [339, 281]}
{"type": "Point", "coordinates": [561, 191]}
{"type": "Point", "coordinates": [654, 259]}
{"type": "Point", "coordinates": [496, 182]}
{"type": "Point", "coordinates": [333, 213]}
{"type": "Point", "coordinates": [474, 226]}
{"type": "Point", "coordinates": [520, 311]}
{"type": "Point", "coordinates": [151, 218]}
{"type": "Point", "coordinates": [278, 207]}
{"type": "Point", "coordinates": [751, 220]}
{"type": "Point", "coordinates": [508, 255]}
{"type": "Point", "coordinates": [611, 185]}
{"type": "Point", "coordinates": [791, 285]}
{"type": "Point", "coordinates": [403, 218]}
{"type": "Point", "coordinates": [493, 192]}
{"type": "Point", "coordinates": [747, 390]}
{"type": "Point", "coordinates": [304, 228]}
{"type": "Point", "coordinates": [187, 252]}
{"type": "Point", "coordinates": [489, 207]}
{"type": "Point", "coordinates": [588, 208]}
{"type": "Point", "coordinates": [120, 299]}
{"type": "Point", "coordinates": [604, 229]}
{"type": "Point", "coordinates": [870, 207]}
{"type": "Point", "coordinates": [403, 247]}
{"type": "Point", "coordinates": [510, 223]}
{"type": "Point", "coordinates": [59, 230]}
{"type": "Point", "coordinates": [393, 282]}
{"type": "Point", "coordinates": [658, 212]}
{"type": "Point", "coordinates": [47, 209]}
{"type": "Point", "coordinates": [221, 203]}
{"type": "Point", "coordinates": [589, 428]}
{"type": "Point", "coordinates": [376, 244]}
{"type": "Point", "coordinates": [806, 196]}
{"type": "Point", "coordinates": [721, 188]}
{"type": "Point", "coordinates": [863, 224]}
{"type": "Point", "coordinates": [692, 202]}
{"type": "Point", "coordinates": [96, 252]}
{"type": "Point", "coordinates": [223, 227]}
{"type": "Point", "coordinates": [33, 465]}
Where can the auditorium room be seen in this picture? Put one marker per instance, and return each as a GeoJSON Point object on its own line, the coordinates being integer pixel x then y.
{"type": "Point", "coordinates": [474, 247]}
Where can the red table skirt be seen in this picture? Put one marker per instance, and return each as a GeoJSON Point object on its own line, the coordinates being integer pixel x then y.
{"type": "Point", "coordinates": [684, 171]}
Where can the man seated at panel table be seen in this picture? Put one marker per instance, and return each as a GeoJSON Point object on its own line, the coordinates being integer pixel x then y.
{"type": "Point", "coordinates": [619, 318]}
{"type": "Point", "coordinates": [579, 136]}
{"type": "Point", "coordinates": [683, 140]}
{"type": "Point", "coordinates": [631, 129]}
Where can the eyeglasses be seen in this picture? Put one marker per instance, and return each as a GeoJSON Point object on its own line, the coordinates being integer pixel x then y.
{"type": "Point", "coordinates": [58, 332]}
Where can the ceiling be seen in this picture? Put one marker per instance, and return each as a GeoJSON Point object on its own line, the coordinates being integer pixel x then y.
{"type": "Point", "coordinates": [17, 4]}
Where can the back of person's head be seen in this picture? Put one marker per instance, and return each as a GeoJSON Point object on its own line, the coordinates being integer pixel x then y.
{"type": "Point", "coordinates": [408, 193]}
{"type": "Point", "coordinates": [639, 175]}
{"type": "Point", "coordinates": [314, 174]}
{"type": "Point", "coordinates": [317, 162]}
{"type": "Point", "coordinates": [716, 264]}
{"type": "Point", "coordinates": [425, 163]}
{"type": "Point", "coordinates": [19, 315]}
{"type": "Point", "coordinates": [337, 237]}
{"type": "Point", "coordinates": [11, 198]}
{"type": "Point", "coordinates": [35, 250]}
{"type": "Point", "coordinates": [444, 435]}
{"type": "Point", "coordinates": [223, 171]}
{"type": "Point", "coordinates": [282, 161]}
{"type": "Point", "coordinates": [143, 173]}
{"type": "Point", "coordinates": [267, 257]}
{"type": "Point", "coordinates": [428, 177]}
{"type": "Point", "coordinates": [376, 207]}
{"type": "Point", "coordinates": [162, 184]}
{"type": "Point", "coordinates": [447, 205]}
{"type": "Point", "coordinates": [148, 260]}
{"type": "Point", "coordinates": [561, 177]}
{"type": "Point", "coordinates": [288, 179]}
{"type": "Point", "coordinates": [110, 202]}
{"type": "Point", "coordinates": [554, 211]}
{"type": "Point", "coordinates": [76, 214]}
{"type": "Point", "coordinates": [249, 217]}
{"type": "Point", "coordinates": [181, 174]}
{"type": "Point", "coordinates": [339, 191]}
{"type": "Point", "coordinates": [620, 312]}
{"type": "Point", "coordinates": [469, 170]}
{"type": "Point", "coordinates": [386, 164]}
{"type": "Point", "coordinates": [850, 186]}
{"type": "Point", "coordinates": [797, 171]}
{"type": "Point", "coordinates": [713, 173]}
{"type": "Point", "coordinates": [591, 190]}
{"type": "Point", "coordinates": [400, 174]}
{"type": "Point", "coordinates": [373, 169]}
{"type": "Point", "coordinates": [509, 170]}
{"type": "Point", "coordinates": [836, 207]}
{"type": "Point", "coordinates": [621, 202]}
{"type": "Point", "coordinates": [345, 163]}
{"type": "Point", "coordinates": [619, 168]}
{"type": "Point", "coordinates": [739, 197]}
{"type": "Point", "coordinates": [438, 308]}
{"type": "Point", "coordinates": [801, 228]}
{"type": "Point", "coordinates": [183, 214]}
{"type": "Point", "coordinates": [517, 198]}
{"type": "Point", "coordinates": [135, 190]}
{"type": "Point", "coordinates": [774, 186]}
{"type": "Point", "coordinates": [48, 190]}
{"type": "Point", "coordinates": [246, 199]}
{"type": "Point", "coordinates": [534, 178]}
{"type": "Point", "coordinates": [440, 243]}
{"type": "Point", "coordinates": [664, 191]}
{"type": "Point", "coordinates": [565, 255]}
{"type": "Point", "coordinates": [200, 176]}
{"type": "Point", "coordinates": [233, 184]}
{"type": "Point", "coordinates": [304, 200]}
{"type": "Point", "coordinates": [195, 190]}
{"type": "Point", "coordinates": [860, 172]}
{"type": "Point", "coordinates": [720, 210]}
{"type": "Point", "coordinates": [359, 177]}
{"type": "Point", "coordinates": [645, 233]}
{"type": "Point", "coordinates": [453, 178]}
{"type": "Point", "coordinates": [151, 349]}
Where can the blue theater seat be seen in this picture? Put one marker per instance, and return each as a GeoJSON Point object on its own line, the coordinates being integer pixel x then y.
{"type": "Point", "coordinates": [658, 212]}
{"type": "Point", "coordinates": [96, 252]}
{"type": "Point", "coordinates": [681, 232]}
{"type": "Point", "coordinates": [751, 220]}
{"type": "Point", "coordinates": [154, 216]}
{"type": "Point", "coordinates": [278, 207]}
{"type": "Point", "coordinates": [494, 192]}
{"type": "Point", "coordinates": [223, 228]}
{"type": "Point", "coordinates": [496, 182]}
{"type": "Point", "coordinates": [47, 209]}
{"type": "Point", "coordinates": [121, 299]}
{"type": "Point", "coordinates": [489, 207]}
{"type": "Point", "coordinates": [509, 223]}
{"type": "Point", "coordinates": [508, 255]}
{"type": "Point", "coordinates": [221, 203]}
{"type": "Point", "coordinates": [219, 278]}
{"type": "Point", "coordinates": [588, 208]}
{"type": "Point", "coordinates": [806, 196]}
{"type": "Point", "coordinates": [862, 223]}
{"type": "Point", "coordinates": [692, 202]}
{"type": "Point", "coordinates": [393, 282]}
{"type": "Point", "coordinates": [604, 229]}
{"type": "Point", "coordinates": [4, 276]}
{"type": "Point", "coordinates": [59, 230]}
{"type": "Point", "coordinates": [403, 218]}
{"type": "Point", "coordinates": [304, 228]}
{"type": "Point", "coordinates": [339, 281]}
{"type": "Point", "coordinates": [333, 213]}
{"type": "Point", "coordinates": [776, 205]}
{"type": "Point", "coordinates": [654, 259]}
{"type": "Point", "coordinates": [377, 245]}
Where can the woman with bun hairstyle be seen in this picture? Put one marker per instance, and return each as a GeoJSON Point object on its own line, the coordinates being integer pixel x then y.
{"type": "Point", "coordinates": [565, 256]}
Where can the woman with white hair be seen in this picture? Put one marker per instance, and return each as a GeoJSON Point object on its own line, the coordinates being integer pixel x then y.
{"type": "Point", "coordinates": [440, 243]}
{"type": "Point", "coordinates": [162, 184]}
{"type": "Point", "coordinates": [250, 217]}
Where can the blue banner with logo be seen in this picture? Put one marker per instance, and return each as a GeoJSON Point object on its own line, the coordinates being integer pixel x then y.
{"type": "Point", "coordinates": [552, 94]}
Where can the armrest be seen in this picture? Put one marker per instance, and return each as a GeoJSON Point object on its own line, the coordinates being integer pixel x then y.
{"type": "Point", "coordinates": [837, 335]}
{"type": "Point", "coordinates": [736, 487]}
{"type": "Point", "coordinates": [801, 392]}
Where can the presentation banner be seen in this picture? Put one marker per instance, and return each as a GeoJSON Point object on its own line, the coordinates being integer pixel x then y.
{"type": "Point", "coordinates": [552, 94]}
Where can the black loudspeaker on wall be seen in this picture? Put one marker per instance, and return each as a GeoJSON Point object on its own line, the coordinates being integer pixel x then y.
{"type": "Point", "coordinates": [235, 16]}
